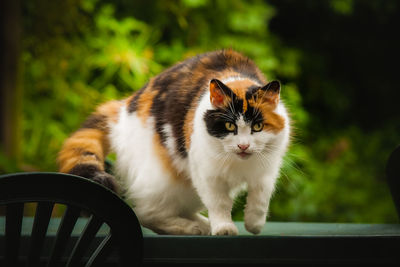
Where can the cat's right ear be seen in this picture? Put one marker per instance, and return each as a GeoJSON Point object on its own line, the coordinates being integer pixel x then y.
{"type": "Point", "coordinates": [219, 93]}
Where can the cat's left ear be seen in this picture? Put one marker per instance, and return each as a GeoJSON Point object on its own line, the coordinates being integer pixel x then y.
{"type": "Point", "coordinates": [219, 93]}
{"type": "Point", "coordinates": [271, 92]}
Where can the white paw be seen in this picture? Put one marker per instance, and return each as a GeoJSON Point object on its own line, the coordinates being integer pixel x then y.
{"type": "Point", "coordinates": [254, 228]}
{"type": "Point", "coordinates": [204, 224]}
{"type": "Point", "coordinates": [254, 224]}
{"type": "Point", "coordinates": [225, 229]}
{"type": "Point", "coordinates": [199, 229]}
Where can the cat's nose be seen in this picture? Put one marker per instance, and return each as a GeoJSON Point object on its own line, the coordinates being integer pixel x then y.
{"type": "Point", "coordinates": [243, 146]}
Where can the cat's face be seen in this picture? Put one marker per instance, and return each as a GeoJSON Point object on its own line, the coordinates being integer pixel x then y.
{"type": "Point", "coordinates": [243, 117]}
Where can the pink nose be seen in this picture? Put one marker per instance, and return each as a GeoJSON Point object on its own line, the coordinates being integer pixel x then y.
{"type": "Point", "coordinates": [243, 147]}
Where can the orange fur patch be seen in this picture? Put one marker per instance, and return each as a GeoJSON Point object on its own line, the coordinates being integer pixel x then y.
{"type": "Point", "coordinates": [188, 127]}
{"type": "Point", "coordinates": [272, 121]}
{"type": "Point", "coordinates": [84, 140]}
{"type": "Point", "coordinates": [145, 102]}
{"type": "Point", "coordinates": [110, 109]}
{"type": "Point", "coordinates": [166, 159]}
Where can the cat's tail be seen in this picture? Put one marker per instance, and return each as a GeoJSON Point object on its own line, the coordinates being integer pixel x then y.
{"type": "Point", "coordinates": [84, 152]}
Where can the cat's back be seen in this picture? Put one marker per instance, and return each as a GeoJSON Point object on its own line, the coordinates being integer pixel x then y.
{"type": "Point", "coordinates": [181, 83]}
{"type": "Point", "coordinates": [171, 97]}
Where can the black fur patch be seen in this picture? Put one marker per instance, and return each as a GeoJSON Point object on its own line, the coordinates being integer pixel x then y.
{"type": "Point", "coordinates": [162, 84]}
{"type": "Point", "coordinates": [217, 63]}
{"type": "Point", "coordinates": [132, 106]}
{"type": "Point", "coordinates": [252, 115]}
{"type": "Point", "coordinates": [215, 122]}
{"type": "Point", "coordinates": [273, 86]}
{"type": "Point", "coordinates": [251, 90]}
{"type": "Point", "coordinates": [92, 172]}
{"type": "Point", "coordinates": [85, 170]}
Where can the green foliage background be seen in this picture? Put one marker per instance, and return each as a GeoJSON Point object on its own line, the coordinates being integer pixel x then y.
{"type": "Point", "coordinates": [79, 53]}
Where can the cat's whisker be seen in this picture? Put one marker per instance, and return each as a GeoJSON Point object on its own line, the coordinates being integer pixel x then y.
{"type": "Point", "coordinates": [225, 116]}
{"type": "Point", "coordinates": [265, 91]}
{"type": "Point", "coordinates": [267, 158]}
{"type": "Point", "coordinates": [232, 109]}
{"type": "Point", "coordinates": [219, 155]}
{"type": "Point", "coordinates": [294, 165]}
{"type": "Point", "coordinates": [283, 173]}
{"type": "Point", "coordinates": [225, 160]}
{"type": "Point", "coordinates": [263, 160]}
{"type": "Point", "coordinates": [271, 146]}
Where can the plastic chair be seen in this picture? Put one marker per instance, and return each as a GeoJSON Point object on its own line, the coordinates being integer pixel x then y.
{"type": "Point", "coordinates": [79, 195]}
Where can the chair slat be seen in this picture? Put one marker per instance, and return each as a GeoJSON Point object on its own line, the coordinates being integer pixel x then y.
{"type": "Point", "coordinates": [84, 241]}
{"type": "Point", "coordinates": [14, 213]}
{"type": "Point", "coordinates": [39, 229]}
{"type": "Point", "coordinates": [102, 251]}
{"type": "Point", "coordinates": [63, 234]}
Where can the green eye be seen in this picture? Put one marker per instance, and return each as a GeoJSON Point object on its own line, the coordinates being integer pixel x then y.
{"type": "Point", "coordinates": [230, 126]}
{"type": "Point", "coordinates": [258, 127]}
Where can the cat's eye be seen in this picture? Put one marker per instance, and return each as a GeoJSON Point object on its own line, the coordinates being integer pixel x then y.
{"type": "Point", "coordinates": [258, 126]}
{"type": "Point", "coordinates": [230, 126]}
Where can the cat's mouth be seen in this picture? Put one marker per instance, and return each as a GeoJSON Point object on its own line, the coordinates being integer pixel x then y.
{"type": "Point", "coordinates": [243, 155]}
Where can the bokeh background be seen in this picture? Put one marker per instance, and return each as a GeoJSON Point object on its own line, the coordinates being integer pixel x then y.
{"type": "Point", "coordinates": [337, 61]}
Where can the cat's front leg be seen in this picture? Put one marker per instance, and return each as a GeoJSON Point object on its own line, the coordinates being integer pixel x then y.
{"type": "Point", "coordinates": [220, 218]}
{"type": "Point", "coordinates": [215, 195]}
{"type": "Point", "coordinates": [258, 197]}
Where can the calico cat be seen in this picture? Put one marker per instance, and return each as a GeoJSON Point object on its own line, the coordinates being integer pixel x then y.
{"type": "Point", "coordinates": [188, 140]}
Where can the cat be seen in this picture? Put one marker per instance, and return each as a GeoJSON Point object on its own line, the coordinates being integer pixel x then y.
{"type": "Point", "coordinates": [188, 140]}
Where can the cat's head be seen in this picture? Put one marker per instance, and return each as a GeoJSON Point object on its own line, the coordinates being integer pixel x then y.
{"type": "Point", "coordinates": [244, 115]}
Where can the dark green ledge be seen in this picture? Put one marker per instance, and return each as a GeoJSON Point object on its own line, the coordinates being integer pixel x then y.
{"type": "Point", "coordinates": [283, 229]}
{"type": "Point", "coordinates": [279, 242]}
{"type": "Point", "coordinates": [284, 243]}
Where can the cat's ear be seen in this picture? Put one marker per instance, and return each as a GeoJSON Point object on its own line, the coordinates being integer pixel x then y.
{"type": "Point", "coordinates": [219, 93]}
{"type": "Point", "coordinates": [270, 92]}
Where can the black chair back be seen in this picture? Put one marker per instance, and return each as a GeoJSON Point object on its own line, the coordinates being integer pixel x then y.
{"type": "Point", "coordinates": [80, 195]}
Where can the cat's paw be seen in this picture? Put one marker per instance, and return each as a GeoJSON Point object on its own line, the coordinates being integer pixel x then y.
{"type": "Point", "coordinates": [254, 224]}
{"type": "Point", "coordinates": [254, 228]}
{"type": "Point", "coordinates": [176, 226]}
{"type": "Point", "coordinates": [204, 224]}
{"type": "Point", "coordinates": [199, 229]}
{"type": "Point", "coordinates": [225, 229]}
